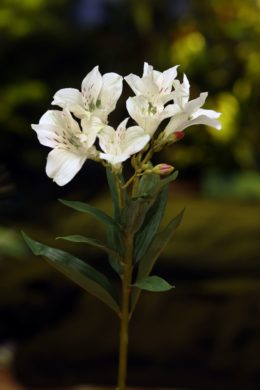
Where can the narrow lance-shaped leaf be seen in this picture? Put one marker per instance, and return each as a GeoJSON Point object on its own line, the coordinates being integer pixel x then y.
{"type": "Point", "coordinates": [80, 272]}
{"type": "Point", "coordinates": [114, 193]}
{"type": "Point", "coordinates": [135, 212]}
{"type": "Point", "coordinates": [159, 242]}
{"type": "Point", "coordinates": [163, 182]}
{"type": "Point", "coordinates": [90, 241]}
{"type": "Point", "coordinates": [151, 224]}
{"type": "Point", "coordinates": [147, 183]}
{"type": "Point", "coordinates": [114, 239]}
{"type": "Point", "coordinates": [151, 184]}
{"type": "Point", "coordinates": [94, 211]}
{"type": "Point", "coordinates": [153, 283]}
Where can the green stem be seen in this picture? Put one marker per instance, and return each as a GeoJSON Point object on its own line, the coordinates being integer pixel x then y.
{"type": "Point", "coordinates": [119, 192]}
{"type": "Point", "coordinates": [126, 281]}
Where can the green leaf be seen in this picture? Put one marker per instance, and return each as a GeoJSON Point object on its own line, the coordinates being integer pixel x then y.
{"type": "Point", "coordinates": [80, 272]}
{"type": "Point", "coordinates": [151, 224]}
{"type": "Point", "coordinates": [114, 238]}
{"type": "Point", "coordinates": [88, 240]}
{"type": "Point", "coordinates": [94, 211]}
{"type": "Point", "coordinates": [147, 262]}
{"type": "Point", "coordinates": [153, 283]}
{"type": "Point", "coordinates": [147, 183]}
{"type": "Point", "coordinates": [160, 241]}
{"type": "Point", "coordinates": [111, 179]}
{"type": "Point", "coordinates": [151, 184]}
{"type": "Point", "coordinates": [135, 212]}
{"type": "Point", "coordinates": [163, 182]}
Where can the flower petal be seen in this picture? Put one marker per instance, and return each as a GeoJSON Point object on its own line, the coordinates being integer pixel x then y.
{"type": "Point", "coordinates": [181, 92]}
{"type": "Point", "coordinates": [91, 87]}
{"type": "Point", "coordinates": [107, 139]}
{"type": "Point", "coordinates": [114, 159]}
{"type": "Point", "coordinates": [91, 127]}
{"type": "Point", "coordinates": [209, 113]}
{"type": "Point", "coordinates": [52, 130]}
{"type": "Point", "coordinates": [175, 124]}
{"type": "Point", "coordinates": [143, 86]}
{"type": "Point", "coordinates": [181, 123]}
{"type": "Point", "coordinates": [71, 99]}
{"type": "Point", "coordinates": [111, 91]}
{"type": "Point", "coordinates": [138, 109]}
{"type": "Point", "coordinates": [63, 165]}
{"type": "Point", "coordinates": [121, 129]}
{"type": "Point", "coordinates": [204, 120]}
{"type": "Point", "coordinates": [193, 105]}
{"type": "Point", "coordinates": [167, 80]}
{"type": "Point", "coordinates": [148, 69]}
{"type": "Point", "coordinates": [135, 140]}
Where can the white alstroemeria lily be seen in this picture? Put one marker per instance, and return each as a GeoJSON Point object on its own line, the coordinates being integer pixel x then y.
{"type": "Point", "coordinates": [154, 85]}
{"type": "Point", "coordinates": [71, 146]}
{"type": "Point", "coordinates": [118, 145]}
{"type": "Point", "coordinates": [98, 96]}
{"type": "Point", "coordinates": [147, 115]}
{"type": "Point", "coordinates": [189, 113]}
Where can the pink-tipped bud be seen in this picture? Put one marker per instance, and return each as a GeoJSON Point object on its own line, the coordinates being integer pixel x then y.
{"type": "Point", "coordinates": [163, 169]}
{"type": "Point", "coordinates": [178, 135]}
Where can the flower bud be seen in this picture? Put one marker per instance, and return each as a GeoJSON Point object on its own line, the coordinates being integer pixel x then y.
{"type": "Point", "coordinates": [177, 135]}
{"type": "Point", "coordinates": [163, 169]}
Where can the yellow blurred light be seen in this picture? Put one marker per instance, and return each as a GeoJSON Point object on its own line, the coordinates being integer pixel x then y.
{"type": "Point", "coordinates": [228, 105]}
{"type": "Point", "coordinates": [25, 4]}
{"type": "Point", "coordinates": [242, 89]}
{"type": "Point", "coordinates": [186, 48]}
{"type": "Point", "coordinates": [253, 61]}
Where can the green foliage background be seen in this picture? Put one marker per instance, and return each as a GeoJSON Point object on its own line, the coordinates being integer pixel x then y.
{"type": "Point", "coordinates": [214, 261]}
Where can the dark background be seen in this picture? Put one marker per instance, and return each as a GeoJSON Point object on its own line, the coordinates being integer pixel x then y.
{"type": "Point", "coordinates": [205, 333]}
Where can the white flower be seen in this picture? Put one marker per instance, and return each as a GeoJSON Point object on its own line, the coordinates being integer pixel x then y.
{"type": "Point", "coordinates": [118, 145]}
{"type": "Point", "coordinates": [147, 115]}
{"type": "Point", "coordinates": [189, 113]}
{"type": "Point", "coordinates": [71, 146]}
{"type": "Point", "coordinates": [153, 85]}
{"type": "Point", "coordinates": [99, 95]}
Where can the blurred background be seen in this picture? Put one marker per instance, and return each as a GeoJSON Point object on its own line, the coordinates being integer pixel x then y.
{"type": "Point", "coordinates": [206, 333]}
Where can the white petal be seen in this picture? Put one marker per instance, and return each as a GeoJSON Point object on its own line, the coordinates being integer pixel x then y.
{"type": "Point", "coordinates": [63, 165]}
{"type": "Point", "coordinates": [170, 110]}
{"type": "Point", "coordinates": [195, 104]}
{"type": "Point", "coordinates": [186, 83]}
{"type": "Point", "coordinates": [175, 124]}
{"type": "Point", "coordinates": [52, 117]}
{"type": "Point", "coordinates": [91, 87]}
{"type": "Point", "coordinates": [143, 86]}
{"type": "Point", "coordinates": [181, 92]}
{"type": "Point", "coordinates": [201, 120]}
{"type": "Point", "coordinates": [70, 123]}
{"type": "Point", "coordinates": [46, 135]}
{"type": "Point", "coordinates": [114, 159]}
{"type": "Point", "coordinates": [133, 105]}
{"type": "Point", "coordinates": [107, 139]}
{"type": "Point", "coordinates": [91, 127]}
{"type": "Point", "coordinates": [148, 69]}
{"type": "Point", "coordinates": [71, 99]}
{"type": "Point", "coordinates": [111, 91]}
{"type": "Point", "coordinates": [134, 83]}
{"type": "Point", "coordinates": [135, 140]}
{"type": "Point", "coordinates": [121, 129]}
{"type": "Point", "coordinates": [168, 77]}
{"type": "Point", "coordinates": [205, 120]}
{"type": "Point", "coordinates": [138, 109]}
{"type": "Point", "coordinates": [209, 113]}
{"type": "Point", "coordinates": [51, 130]}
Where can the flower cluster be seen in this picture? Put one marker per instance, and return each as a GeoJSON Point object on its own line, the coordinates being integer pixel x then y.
{"type": "Point", "coordinates": [80, 131]}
